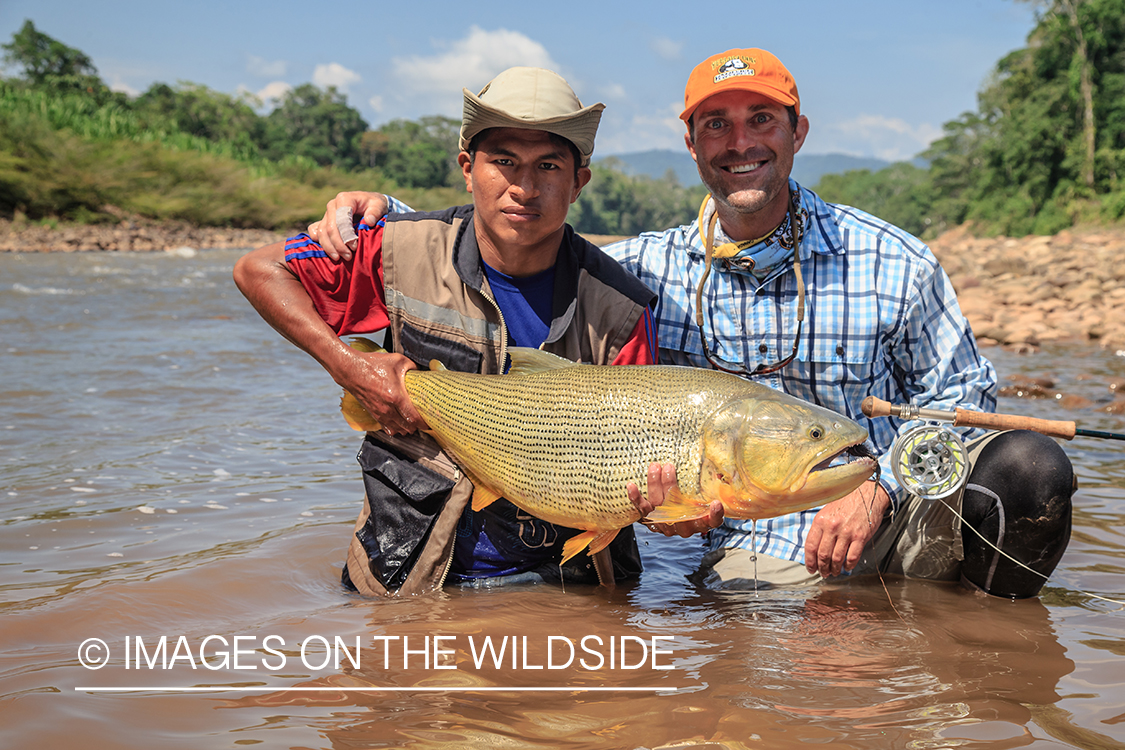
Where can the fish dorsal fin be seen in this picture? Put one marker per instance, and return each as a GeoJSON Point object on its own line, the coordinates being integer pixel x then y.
{"type": "Point", "coordinates": [361, 344]}
{"type": "Point", "coordinates": [527, 361]}
{"type": "Point", "coordinates": [356, 416]}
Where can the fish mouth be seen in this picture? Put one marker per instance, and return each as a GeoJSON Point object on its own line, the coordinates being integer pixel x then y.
{"type": "Point", "coordinates": [850, 458]}
{"type": "Point", "coordinates": [845, 455]}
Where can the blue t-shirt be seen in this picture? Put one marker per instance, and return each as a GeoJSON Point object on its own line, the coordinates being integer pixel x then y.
{"type": "Point", "coordinates": [526, 304]}
{"type": "Point", "coordinates": [502, 539]}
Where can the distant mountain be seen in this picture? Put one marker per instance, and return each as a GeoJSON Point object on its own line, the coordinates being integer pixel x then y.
{"type": "Point", "coordinates": [807, 169]}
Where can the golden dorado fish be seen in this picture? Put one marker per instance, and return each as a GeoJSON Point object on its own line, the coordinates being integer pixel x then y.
{"type": "Point", "coordinates": [562, 440]}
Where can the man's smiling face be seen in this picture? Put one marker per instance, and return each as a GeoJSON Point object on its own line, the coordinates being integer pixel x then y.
{"type": "Point", "coordinates": [743, 146]}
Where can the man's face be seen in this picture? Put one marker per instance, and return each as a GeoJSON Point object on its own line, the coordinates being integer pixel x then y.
{"type": "Point", "coordinates": [522, 185]}
{"type": "Point", "coordinates": [744, 146]}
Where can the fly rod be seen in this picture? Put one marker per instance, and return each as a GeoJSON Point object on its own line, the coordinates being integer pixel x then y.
{"type": "Point", "coordinates": [874, 407]}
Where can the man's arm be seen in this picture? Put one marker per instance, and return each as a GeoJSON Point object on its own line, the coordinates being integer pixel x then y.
{"type": "Point", "coordinates": [936, 357]}
{"type": "Point", "coordinates": [376, 380]}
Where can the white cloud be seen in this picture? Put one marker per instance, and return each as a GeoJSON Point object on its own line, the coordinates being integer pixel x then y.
{"type": "Point", "coordinates": [119, 85]}
{"type": "Point", "coordinates": [376, 103]}
{"type": "Point", "coordinates": [273, 90]}
{"type": "Point", "coordinates": [643, 131]}
{"type": "Point", "coordinates": [264, 68]}
{"type": "Point", "coordinates": [435, 82]}
{"type": "Point", "coordinates": [335, 74]}
{"type": "Point", "coordinates": [666, 49]}
{"type": "Point", "coordinates": [612, 91]}
{"type": "Point", "coordinates": [889, 138]}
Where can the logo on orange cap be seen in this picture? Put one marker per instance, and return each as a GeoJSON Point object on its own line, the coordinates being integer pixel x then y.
{"type": "Point", "coordinates": [740, 70]}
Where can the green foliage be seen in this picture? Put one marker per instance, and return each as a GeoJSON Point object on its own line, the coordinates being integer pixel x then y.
{"type": "Point", "coordinates": [420, 154]}
{"type": "Point", "coordinates": [617, 204]}
{"type": "Point", "coordinates": [317, 124]}
{"type": "Point", "coordinates": [48, 63]}
{"type": "Point", "coordinates": [901, 194]}
{"type": "Point", "coordinates": [199, 111]}
{"type": "Point", "coordinates": [49, 172]}
{"type": "Point", "coordinates": [1021, 163]}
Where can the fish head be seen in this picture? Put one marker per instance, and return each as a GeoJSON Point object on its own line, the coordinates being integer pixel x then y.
{"type": "Point", "coordinates": [768, 456]}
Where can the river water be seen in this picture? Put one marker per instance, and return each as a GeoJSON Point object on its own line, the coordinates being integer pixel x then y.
{"type": "Point", "coordinates": [173, 472]}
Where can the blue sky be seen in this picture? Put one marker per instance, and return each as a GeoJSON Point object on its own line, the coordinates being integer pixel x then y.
{"type": "Point", "coordinates": [876, 77]}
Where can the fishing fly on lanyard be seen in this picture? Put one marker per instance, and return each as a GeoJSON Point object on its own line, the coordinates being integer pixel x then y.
{"type": "Point", "coordinates": [730, 249]}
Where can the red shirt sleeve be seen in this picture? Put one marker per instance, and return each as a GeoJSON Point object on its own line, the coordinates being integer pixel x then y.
{"type": "Point", "coordinates": [349, 296]}
{"type": "Point", "coordinates": [641, 348]}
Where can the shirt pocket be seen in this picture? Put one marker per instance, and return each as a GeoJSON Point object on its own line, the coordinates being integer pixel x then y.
{"type": "Point", "coordinates": [837, 361]}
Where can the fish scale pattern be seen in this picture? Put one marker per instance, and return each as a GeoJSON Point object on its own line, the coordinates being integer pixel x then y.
{"type": "Point", "coordinates": [563, 443]}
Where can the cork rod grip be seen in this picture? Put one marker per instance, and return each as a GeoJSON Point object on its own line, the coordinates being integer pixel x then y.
{"type": "Point", "coordinates": [874, 407]}
{"type": "Point", "coordinates": [966, 418]}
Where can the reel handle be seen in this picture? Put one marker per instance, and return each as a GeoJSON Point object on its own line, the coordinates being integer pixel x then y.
{"type": "Point", "coordinates": [874, 407]}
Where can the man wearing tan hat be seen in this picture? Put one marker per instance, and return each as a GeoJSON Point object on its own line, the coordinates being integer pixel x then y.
{"type": "Point", "coordinates": [461, 286]}
{"type": "Point", "coordinates": [832, 305]}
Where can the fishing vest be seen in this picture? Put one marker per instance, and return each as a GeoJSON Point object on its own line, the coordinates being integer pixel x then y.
{"type": "Point", "coordinates": [440, 308]}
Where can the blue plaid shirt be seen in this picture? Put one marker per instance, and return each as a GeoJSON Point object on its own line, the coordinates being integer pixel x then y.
{"type": "Point", "coordinates": [882, 320]}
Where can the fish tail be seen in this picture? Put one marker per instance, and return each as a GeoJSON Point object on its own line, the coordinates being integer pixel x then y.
{"type": "Point", "coordinates": [355, 415]}
{"type": "Point", "coordinates": [597, 541]}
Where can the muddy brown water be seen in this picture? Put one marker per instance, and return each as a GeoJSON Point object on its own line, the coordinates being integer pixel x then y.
{"type": "Point", "coordinates": [172, 471]}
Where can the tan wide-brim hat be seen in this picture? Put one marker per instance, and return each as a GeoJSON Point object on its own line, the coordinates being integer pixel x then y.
{"type": "Point", "coordinates": [533, 99]}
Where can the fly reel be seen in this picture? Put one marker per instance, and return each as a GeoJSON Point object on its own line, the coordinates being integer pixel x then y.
{"type": "Point", "coordinates": [930, 461]}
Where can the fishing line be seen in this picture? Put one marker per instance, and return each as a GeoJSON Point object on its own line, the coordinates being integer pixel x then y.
{"type": "Point", "coordinates": [929, 460]}
{"type": "Point", "coordinates": [987, 541]}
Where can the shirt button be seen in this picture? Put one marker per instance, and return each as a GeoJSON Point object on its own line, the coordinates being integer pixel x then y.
{"type": "Point", "coordinates": [763, 348]}
{"type": "Point", "coordinates": [840, 350]}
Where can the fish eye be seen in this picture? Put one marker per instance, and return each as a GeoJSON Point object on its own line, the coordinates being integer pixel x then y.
{"type": "Point", "coordinates": [816, 433]}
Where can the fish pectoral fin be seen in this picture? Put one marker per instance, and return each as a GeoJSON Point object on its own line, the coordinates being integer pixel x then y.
{"type": "Point", "coordinates": [483, 497]}
{"type": "Point", "coordinates": [356, 416]}
{"type": "Point", "coordinates": [678, 507]}
{"type": "Point", "coordinates": [437, 366]}
{"type": "Point", "coordinates": [597, 540]}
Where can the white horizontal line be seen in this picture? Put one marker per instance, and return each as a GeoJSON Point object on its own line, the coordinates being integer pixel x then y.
{"type": "Point", "coordinates": [262, 688]}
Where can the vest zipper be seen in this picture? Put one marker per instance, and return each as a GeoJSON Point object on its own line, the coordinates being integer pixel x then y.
{"type": "Point", "coordinates": [503, 330]}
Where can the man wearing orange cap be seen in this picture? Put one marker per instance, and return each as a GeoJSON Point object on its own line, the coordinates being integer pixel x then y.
{"type": "Point", "coordinates": [461, 286]}
{"type": "Point", "coordinates": [832, 305]}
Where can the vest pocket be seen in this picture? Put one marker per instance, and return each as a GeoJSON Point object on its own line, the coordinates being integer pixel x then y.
{"type": "Point", "coordinates": [404, 499]}
{"type": "Point", "coordinates": [423, 347]}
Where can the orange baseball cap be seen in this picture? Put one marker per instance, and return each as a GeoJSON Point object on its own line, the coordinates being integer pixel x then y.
{"type": "Point", "coordinates": [740, 70]}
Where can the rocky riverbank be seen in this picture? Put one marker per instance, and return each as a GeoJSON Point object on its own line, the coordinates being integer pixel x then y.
{"type": "Point", "coordinates": [127, 236]}
{"type": "Point", "coordinates": [1016, 292]}
{"type": "Point", "coordinates": [1029, 291]}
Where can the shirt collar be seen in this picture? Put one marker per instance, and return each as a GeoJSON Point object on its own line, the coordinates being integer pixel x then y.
{"type": "Point", "coordinates": [821, 231]}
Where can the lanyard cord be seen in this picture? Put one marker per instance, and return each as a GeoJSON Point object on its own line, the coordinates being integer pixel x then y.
{"type": "Point", "coordinates": [709, 247]}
